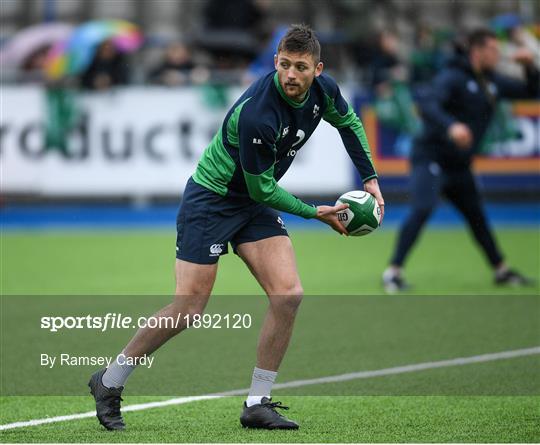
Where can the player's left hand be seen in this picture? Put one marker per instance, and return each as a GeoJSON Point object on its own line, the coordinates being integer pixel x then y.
{"type": "Point", "coordinates": [372, 186]}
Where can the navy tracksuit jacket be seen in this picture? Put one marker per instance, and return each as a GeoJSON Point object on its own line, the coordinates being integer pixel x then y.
{"type": "Point", "coordinates": [457, 94]}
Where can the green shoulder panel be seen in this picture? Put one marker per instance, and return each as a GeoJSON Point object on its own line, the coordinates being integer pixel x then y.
{"type": "Point", "coordinates": [232, 125]}
{"type": "Point", "coordinates": [216, 167]}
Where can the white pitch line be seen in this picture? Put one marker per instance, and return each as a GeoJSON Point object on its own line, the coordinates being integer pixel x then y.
{"type": "Point", "coordinates": [460, 361]}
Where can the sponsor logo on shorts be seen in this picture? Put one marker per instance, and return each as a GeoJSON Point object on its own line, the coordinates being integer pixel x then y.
{"type": "Point", "coordinates": [216, 249]}
{"type": "Point", "coordinates": [280, 221]}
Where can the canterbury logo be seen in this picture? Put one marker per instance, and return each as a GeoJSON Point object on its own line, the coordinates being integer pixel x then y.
{"type": "Point", "coordinates": [216, 249]}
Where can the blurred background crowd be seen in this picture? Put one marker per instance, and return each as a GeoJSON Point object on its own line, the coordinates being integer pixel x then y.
{"type": "Point", "coordinates": [374, 43]}
{"type": "Point", "coordinates": [168, 53]}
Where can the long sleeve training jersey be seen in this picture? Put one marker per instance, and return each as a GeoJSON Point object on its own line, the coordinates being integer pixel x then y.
{"type": "Point", "coordinates": [262, 133]}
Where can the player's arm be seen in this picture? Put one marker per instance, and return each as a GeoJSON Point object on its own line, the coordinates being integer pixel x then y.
{"type": "Point", "coordinates": [432, 101]}
{"type": "Point", "coordinates": [258, 158]}
{"type": "Point", "coordinates": [515, 89]}
{"type": "Point", "coordinates": [341, 115]}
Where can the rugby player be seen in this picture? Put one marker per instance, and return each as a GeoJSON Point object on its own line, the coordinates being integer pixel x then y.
{"type": "Point", "coordinates": [234, 197]}
{"type": "Point", "coordinates": [456, 112]}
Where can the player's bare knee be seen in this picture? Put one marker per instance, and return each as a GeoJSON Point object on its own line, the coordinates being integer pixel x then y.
{"type": "Point", "coordinates": [289, 300]}
{"type": "Point", "coordinates": [285, 287]}
{"type": "Point", "coordinates": [293, 301]}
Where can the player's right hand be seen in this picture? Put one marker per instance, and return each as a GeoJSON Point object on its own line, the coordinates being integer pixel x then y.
{"type": "Point", "coordinates": [327, 214]}
{"type": "Point", "coordinates": [524, 56]}
{"type": "Point", "coordinates": [461, 135]}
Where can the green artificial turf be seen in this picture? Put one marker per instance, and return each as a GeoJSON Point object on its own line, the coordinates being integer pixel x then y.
{"type": "Point", "coordinates": [454, 310]}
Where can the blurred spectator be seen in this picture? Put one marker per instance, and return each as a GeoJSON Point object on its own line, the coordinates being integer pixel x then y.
{"type": "Point", "coordinates": [515, 39]}
{"type": "Point", "coordinates": [109, 68]}
{"type": "Point", "coordinates": [393, 101]}
{"type": "Point", "coordinates": [386, 64]}
{"type": "Point", "coordinates": [242, 15]}
{"type": "Point", "coordinates": [264, 62]}
{"type": "Point", "coordinates": [31, 69]}
{"type": "Point", "coordinates": [36, 60]}
{"type": "Point", "coordinates": [234, 31]}
{"type": "Point", "coordinates": [427, 57]}
{"type": "Point", "coordinates": [176, 68]}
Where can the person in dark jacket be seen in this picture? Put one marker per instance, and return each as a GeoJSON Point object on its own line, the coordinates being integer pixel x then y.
{"type": "Point", "coordinates": [176, 68]}
{"type": "Point", "coordinates": [108, 69]}
{"type": "Point", "coordinates": [456, 112]}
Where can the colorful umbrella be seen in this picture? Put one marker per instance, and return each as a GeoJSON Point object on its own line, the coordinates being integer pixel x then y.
{"type": "Point", "coordinates": [75, 54]}
{"type": "Point", "coordinates": [29, 40]}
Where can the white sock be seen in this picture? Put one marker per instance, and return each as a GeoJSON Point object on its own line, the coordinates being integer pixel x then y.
{"type": "Point", "coordinates": [117, 374]}
{"type": "Point", "coordinates": [261, 385]}
{"type": "Point", "coordinates": [391, 272]}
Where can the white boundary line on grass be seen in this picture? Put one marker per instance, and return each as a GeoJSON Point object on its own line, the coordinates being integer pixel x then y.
{"type": "Point", "coordinates": [297, 383]}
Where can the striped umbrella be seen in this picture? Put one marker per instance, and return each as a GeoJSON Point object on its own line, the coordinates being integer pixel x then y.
{"type": "Point", "coordinates": [74, 55]}
{"type": "Point", "coordinates": [27, 41]}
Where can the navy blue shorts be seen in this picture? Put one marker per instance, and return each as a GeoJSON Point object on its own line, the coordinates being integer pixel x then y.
{"type": "Point", "coordinates": [207, 223]}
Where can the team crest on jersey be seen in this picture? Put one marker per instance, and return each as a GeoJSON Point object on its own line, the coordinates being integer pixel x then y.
{"type": "Point", "coordinates": [472, 86]}
{"type": "Point", "coordinates": [316, 109]}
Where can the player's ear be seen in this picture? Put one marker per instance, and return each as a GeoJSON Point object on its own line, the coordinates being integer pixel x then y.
{"type": "Point", "coordinates": [319, 69]}
{"type": "Point", "coordinates": [275, 61]}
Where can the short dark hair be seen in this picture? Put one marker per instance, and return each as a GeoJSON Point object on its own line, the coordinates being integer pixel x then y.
{"type": "Point", "coordinates": [479, 36]}
{"type": "Point", "coordinates": [301, 39]}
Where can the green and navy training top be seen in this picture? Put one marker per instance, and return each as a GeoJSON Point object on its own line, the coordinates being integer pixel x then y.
{"type": "Point", "coordinates": [262, 133]}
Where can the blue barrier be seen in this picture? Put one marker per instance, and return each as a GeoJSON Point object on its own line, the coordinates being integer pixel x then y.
{"type": "Point", "coordinates": [164, 216]}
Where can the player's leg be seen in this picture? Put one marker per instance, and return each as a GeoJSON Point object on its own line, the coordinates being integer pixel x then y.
{"type": "Point", "coordinates": [202, 238]}
{"type": "Point", "coordinates": [462, 191]}
{"type": "Point", "coordinates": [425, 189]}
{"type": "Point", "coordinates": [273, 264]}
{"type": "Point", "coordinates": [267, 250]}
{"type": "Point", "coordinates": [194, 284]}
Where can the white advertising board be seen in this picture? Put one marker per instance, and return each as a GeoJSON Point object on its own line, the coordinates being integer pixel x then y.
{"type": "Point", "coordinates": [138, 142]}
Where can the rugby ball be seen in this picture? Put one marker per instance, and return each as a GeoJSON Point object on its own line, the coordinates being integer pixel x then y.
{"type": "Point", "coordinates": [363, 215]}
